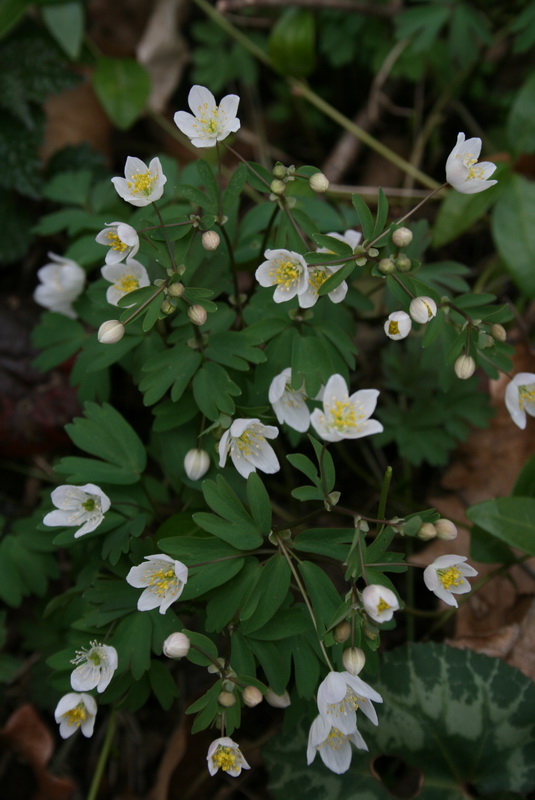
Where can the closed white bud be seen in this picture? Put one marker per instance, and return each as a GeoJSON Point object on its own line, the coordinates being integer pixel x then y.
{"type": "Point", "coordinates": [226, 699]}
{"type": "Point", "coordinates": [464, 367]}
{"type": "Point", "coordinates": [398, 325]}
{"type": "Point", "coordinates": [176, 289]}
{"type": "Point", "coordinates": [342, 632]}
{"type": "Point", "coordinates": [318, 182]}
{"type": "Point", "coordinates": [402, 237]}
{"type": "Point", "coordinates": [197, 314]}
{"type": "Point", "coordinates": [498, 332]}
{"type": "Point", "coordinates": [176, 645]}
{"type": "Point", "coordinates": [252, 696]}
{"type": "Point", "coordinates": [111, 332]}
{"type": "Point", "coordinates": [277, 700]}
{"type": "Point", "coordinates": [427, 531]}
{"type": "Point", "coordinates": [445, 529]}
{"type": "Point", "coordinates": [422, 309]}
{"type": "Point", "coordinates": [196, 463]}
{"type": "Point", "coordinates": [210, 240]}
{"type": "Point", "coordinates": [353, 660]}
{"type": "Point", "coordinates": [277, 186]}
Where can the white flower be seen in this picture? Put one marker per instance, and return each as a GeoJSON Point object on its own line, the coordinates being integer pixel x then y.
{"type": "Point", "coordinates": [141, 185]}
{"type": "Point", "coordinates": [339, 697]}
{"type": "Point", "coordinates": [163, 579]}
{"type": "Point", "coordinates": [333, 746]}
{"type": "Point", "coordinates": [76, 711]}
{"type": "Point", "coordinates": [209, 123]}
{"type": "Point", "coordinates": [245, 440]}
{"type": "Point", "coordinates": [350, 237]}
{"type": "Point", "coordinates": [196, 463]}
{"type": "Point", "coordinates": [289, 404]}
{"type": "Point", "coordinates": [398, 325]}
{"type": "Point", "coordinates": [316, 278]}
{"type": "Point", "coordinates": [286, 270]}
{"type": "Point", "coordinates": [462, 170]}
{"type": "Point", "coordinates": [520, 398]}
{"type": "Point", "coordinates": [379, 602]}
{"type": "Point", "coordinates": [62, 282]}
{"type": "Point", "coordinates": [225, 754]}
{"type": "Point", "coordinates": [96, 669]}
{"type": "Point", "coordinates": [446, 576]}
{"type": "Point", "coordinates": [121, 239]}
{"type": "Point", "coordinates": [344, 416]}
{"type": "Point", "coordinates": [125, 278]}
{"type": "Point", "coordinates": [78, 505]}
{"type": "Point", "coordinates": [422, 309]}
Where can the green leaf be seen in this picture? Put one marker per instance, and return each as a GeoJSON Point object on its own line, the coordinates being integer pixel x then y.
{"type": "Point", "coordinates": [514, 233]}
{"type": "Point", "coordinates": [365, 217]}
{"type": "Point", "coordinates": [267, 595]}
{"type": "Point", "coordinates": [234, 187]}
{"type": "Point", "coordinates": [10, 13]}
{"type": "Point", "coordinates": [332, 542]}
{"type": "Point", "coordinates": [259, 503]}
{"type": "Point", "coordinates": [65, 22]}
{"type": "Point", "coordinates": [123, 86]}
{"type": "Point", "coordinates": [163, 684]}
{"type": "Point", "coordinates": [213, 391]}
{"type": "Point", "coordinates": [511, 519]}
{"type": "Point", "coordinates": [232, 349]}
{"type": "Point", "coordinates": [69, 188]}
{"type": "Point", "coordinates": [382, 213]}
{"type": "Point", "coordinates": [521, 119]}
{"type": "Point", "coordinates": [336, 278]}
{"type": "Point", "coordinates": [59, 337]}
{"type": "Point", "coordinates": [207, 177]}
{"type": "Point", "coordinates": [324, 597]}
{"type": "Point", "coordinates": [172, 368]}
{"type": "Point", "coordinates": [292, 43]}
{"type": "Point", "coordinates": [132, 638]}
{"type": "Point", "coordinates": [225, 601]}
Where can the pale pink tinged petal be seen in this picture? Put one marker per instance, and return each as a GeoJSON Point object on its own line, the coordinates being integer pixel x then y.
{"type": "Point", "coordinates": [229, 105]}
{"type": "Point", "coordinates": [132, 166]}
{"type": "Point", "coordinates": [186, 123]}
{"type": "Point", "coordinates": [198, 97]}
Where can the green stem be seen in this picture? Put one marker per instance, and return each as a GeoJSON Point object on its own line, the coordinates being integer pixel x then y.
{"type": "Point", "coordinates": [103, 758]}
{"type": "Point", "coordinates": [384, 495]}
{"type": "Point", "coordinates": [167, 242]}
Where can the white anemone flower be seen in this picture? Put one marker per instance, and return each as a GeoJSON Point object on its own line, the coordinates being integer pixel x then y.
{"type": "Point", "coordinates": [225, 754]}
{"type": "Point", "coordinates": [333, 746]}
{"type": "Point", "coordinates": [340, 695]}
{"type": "Point", "coordinates": [209, 123]}
{"type": "Point", "coordinates": [317, 275]}
{"type": "Point", "coordinates": [245, 440]}
{"type": "Point", "coordinates": [520, 398]}
{"type": "Point", "coordinates": [125, 278]}
{"type": "Point", "coordinates": [61, 283]}
{"type": "Point", "coordinates": [463, 171]}
{"type": "Point", "coordinates": [289, 404]}
{"type": "Point", "coordinates": [446, 576]}
{"type": "Point", "coordinates": [76, 711]}
{"type": "Point", "coordinates": [286, 270]}
{"type": "Point", "coordinates": [141, 185]}
{"type": "Point", "coordinates": [121, 240]}
{"type": "Point", "coordinates": [398, 325]}
{"type": "Point", "coordinates": [163, 579]}
{"type": "Point", "coordinates": [95, 669]}
{"type": "Point", "coordinates": [379, 602]}
{"type": "Point", "coordinates": [78, 505]}
{"type": "Point", "coordinates": [344, 416]}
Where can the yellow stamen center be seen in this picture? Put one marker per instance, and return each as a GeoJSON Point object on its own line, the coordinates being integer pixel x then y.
{"type": "Point", "coordinates": [382, 606]}
{"type": "Point", "coordinates": [249, 442]}
{"type": "Point", "coordinates": [75, 716]}
{"type": "Point", "coordinates": [393, 328]}
{"type": "Point", "coordinates": [115, 243]}
{"type": "Point", "coordinates": [163, 580]}
{"type": "Point", "coordinates": [141, 182]}
{"type": "Point", "coordinates": [450, 577]}
{"type": "Point", "coordinates": [526, 395]}
{"type": "Point", "coordinates": [225, 758]}
{"type": "Point", "coordinates": [335, 739]}
{"type": "Point", "coordinates": [207, 120]}
{"type": "Point", "coordinates": [343, 415]}
{"type": "Point", "coordinates": [286, 273]}
{"type": "Point", "coordinates": [317, 278]}
{"type": "Point", "coordinates": [127, 283]}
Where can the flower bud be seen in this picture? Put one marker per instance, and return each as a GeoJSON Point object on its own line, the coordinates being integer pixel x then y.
{"type": "Point", "coordinates": [318, 182]}
{"type": "Point", "coordinates": [196, 463]}
{"type": "Point", "coordinates": [464, 367]}
{"type": "Point", "coordinates": [226, 699]}
{"type": "Point", "coordinates": [402, 237]}
{"type": "Point", "coordinates": [398, 325]}
{"type": "Point", "coordinates": [277, 187]}
{"type": "Point", "coordinates": [252, 696]}
{"type": "Point", "coordinates": [210, 240]}
{"type": "Point", "coordinates": [353, 660]}
{"type": "Point", "coordinates": [422, 309]}
{"type": "Point", "coordinates": [342, 632]}
{"type": "Point", "coordinates": [176, 289]}
{"type": "Point", "coordinates": [403, 264]}
{"type": "Point", "coordinates": [111, 332]}
{"type": "Point", "coordinates": [167, 307]}
{"type": "Point", "coordinates": [176, 645]}
{"type": "Point", "coordinates": [498, 332]}
{"type": "Point", "coordinates": [427, 531]}
{"type": "Point", "coordinates": [445, 529]}
{"type": "Point", "coordinates": [279, 170]}
{"type": "Point", "coordinates": [197, 314]}
{"type": "Point", "coordinates": [277, 700]}
{"type": "Point", "coordinates": [386, 266]}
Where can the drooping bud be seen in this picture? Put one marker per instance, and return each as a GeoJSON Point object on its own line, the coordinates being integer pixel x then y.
{"type": "Point", "coordinates": [318, 182]}
{"type": "Point", "coordinates": [277, 186]}
{"type": "Point", "coordinates": [176, 289]}
{"type": "Point", "coordinates": [464, 367]}
{"type": "Point", "coordinates": [226, 699]}
{"type": "Point", "coordinates": [111, 332]}
{"type": "Point", "coordinates": [252, 696]}
{"type": "Point", "coordinates": [403, 264]}
{"type": "Point", "coordinates": [427, 532]}
{"type": "Point", "coordinates": [176, 645]}
{"type": "Point", "coordinates": [398, 325]}
{"type": "Point", "coordinates": [277, 700]}
{"type": "Point", "coordinates": [498, 332]}
{"type": "Point", "coordinates": [386, 266]}
{"type": "Point", "coordinates": [196, 463]}
{"type": "Point", "coordinates": [167, 307]}
{"type": "Point", "coordinates": [342, 632]}
{"type": "Point", "coordinates": [210, 240]}
{"type": "Point", "coordinates": [197, 314]}
{"type": "Point", "coordinates": [402, 237]}
{"type": "Point", "coordinates": [422, 309]}
{"type": "Point", "coordinates": [353, 660]}
{"type": "Point", "coordinates": [445, 529]}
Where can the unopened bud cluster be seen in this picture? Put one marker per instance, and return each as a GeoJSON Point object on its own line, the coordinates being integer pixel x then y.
{"type": "Point", "coordinates": [441, 529]}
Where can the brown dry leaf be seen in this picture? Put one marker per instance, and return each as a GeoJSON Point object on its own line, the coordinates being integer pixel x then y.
{"type": "Point", "coordinates": [171, 758]}
{"type": "Point", "coordinates": [163, 51]}
{"type": "Point", "coordinates": [27, 735]}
